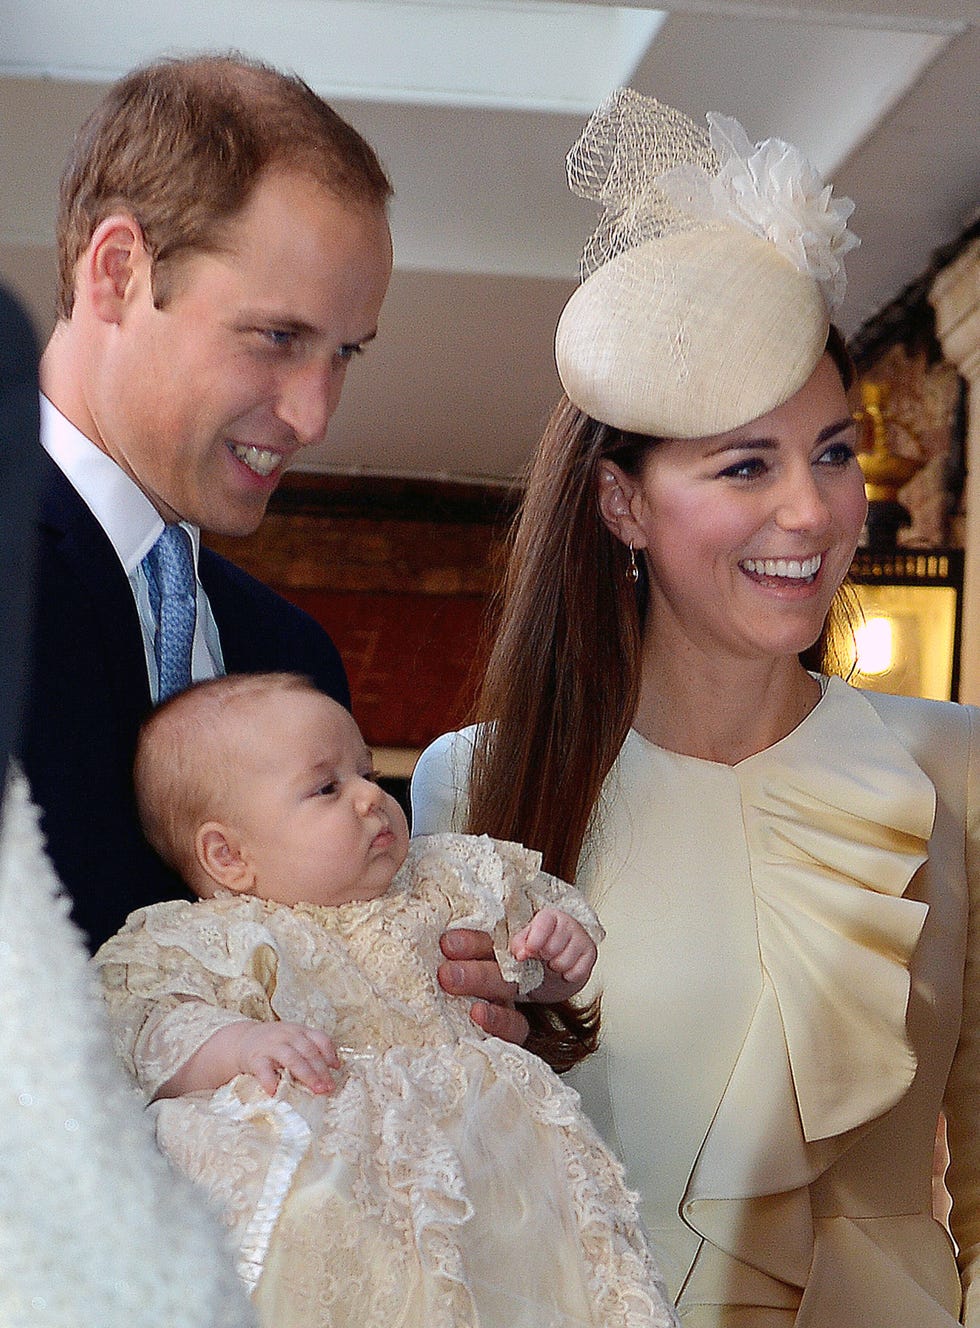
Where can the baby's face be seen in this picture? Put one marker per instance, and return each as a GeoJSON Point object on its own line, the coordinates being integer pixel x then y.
{"type": "Point", "coordinates": [314, 824]}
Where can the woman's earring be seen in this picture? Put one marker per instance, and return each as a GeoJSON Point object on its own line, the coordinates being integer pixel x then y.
{"type": "Point", "coordinates": [632, 572]}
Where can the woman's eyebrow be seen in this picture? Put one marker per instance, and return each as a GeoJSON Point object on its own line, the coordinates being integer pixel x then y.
{"type": "Point", "coordinates": [744, 444]}
{"type": "Point", "coordinates": [839, 427]}
{"type": "Point", "coordinates": [768, 444]}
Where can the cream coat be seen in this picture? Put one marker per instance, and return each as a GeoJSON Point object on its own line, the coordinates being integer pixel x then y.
{"type": "Point", "coordinates": [791, 994]}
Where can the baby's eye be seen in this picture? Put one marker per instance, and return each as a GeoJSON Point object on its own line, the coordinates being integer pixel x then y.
{"type": "Point", "coordinates": [326, 790]}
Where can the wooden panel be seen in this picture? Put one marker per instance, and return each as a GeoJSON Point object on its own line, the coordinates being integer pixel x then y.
{"type": "Point", "coordinates": [400, 574]}
{"type": "Point", "coordinates": [412, 659]}
{"type": "Point", "coordinates": [306, 552]}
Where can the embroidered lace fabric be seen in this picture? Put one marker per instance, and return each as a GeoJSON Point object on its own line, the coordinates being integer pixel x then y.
{"type": "Point", "coordinates": [452, 1179]}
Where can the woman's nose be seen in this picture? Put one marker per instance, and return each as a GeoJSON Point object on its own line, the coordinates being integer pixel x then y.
{"type": "Point", "coordinates": [802, 504]}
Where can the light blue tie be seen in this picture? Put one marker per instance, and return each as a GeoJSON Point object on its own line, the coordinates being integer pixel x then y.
{"type": "Point", "coordinates": [169, 568]}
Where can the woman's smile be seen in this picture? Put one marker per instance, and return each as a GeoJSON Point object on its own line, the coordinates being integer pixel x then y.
{"type": "Point", "coordinates": [783, 569]}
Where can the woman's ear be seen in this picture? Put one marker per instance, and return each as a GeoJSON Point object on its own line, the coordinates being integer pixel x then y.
{"type": "Point", "coordinates": [220, 855]}
{"type": "Point", "coordinates": [616, 497]}
{"type": "Point", "coordinates": [115, 260]}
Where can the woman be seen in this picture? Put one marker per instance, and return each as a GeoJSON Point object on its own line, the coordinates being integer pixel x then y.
{"type": "Point", "coordinates": [783, 865]}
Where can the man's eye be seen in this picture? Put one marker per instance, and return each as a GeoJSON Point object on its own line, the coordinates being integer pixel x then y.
{"type": "Point", "coordinates": [278, 337]}
{"type": "Point", "coordinates": [347, 352]}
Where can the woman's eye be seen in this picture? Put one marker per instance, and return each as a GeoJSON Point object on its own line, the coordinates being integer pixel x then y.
{"type": "Point", "coordinates": [838, 454]}
{"type": "Point", "coordinates": [749, 468]}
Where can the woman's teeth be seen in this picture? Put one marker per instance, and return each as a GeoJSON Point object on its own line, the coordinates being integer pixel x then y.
{"type": "Point", "coordinates": [259, 459]}
{"type": "Point", "coordinates": [794, 569]}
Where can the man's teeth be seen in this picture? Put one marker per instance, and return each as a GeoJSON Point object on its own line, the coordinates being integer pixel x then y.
{"type": "Point", "coordinates": [259, 459]}
{"type": "Point", "coordinates": [794, 569]}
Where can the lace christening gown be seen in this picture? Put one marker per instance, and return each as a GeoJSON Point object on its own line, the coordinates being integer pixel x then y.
{"type": "Point", "coordinates": [452, 1179]}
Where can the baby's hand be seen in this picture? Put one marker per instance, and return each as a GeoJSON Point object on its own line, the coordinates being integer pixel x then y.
{"type": "Point", "coordinates": [562, 944]}
{"type": "Point", "coordinates": [265, 1050]}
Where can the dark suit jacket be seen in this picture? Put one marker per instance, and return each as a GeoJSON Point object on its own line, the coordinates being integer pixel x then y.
{"type": "Point", "coordinates": [18, 501]}
{"type": "Point", "coordinates": [88, 694]}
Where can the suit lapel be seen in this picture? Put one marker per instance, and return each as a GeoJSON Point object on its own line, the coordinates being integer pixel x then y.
{"type": "Point", "coordinates": [88, 560]}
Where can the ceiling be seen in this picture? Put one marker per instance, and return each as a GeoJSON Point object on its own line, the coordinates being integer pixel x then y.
{"type": "Point", "coordinates": [472, 105]}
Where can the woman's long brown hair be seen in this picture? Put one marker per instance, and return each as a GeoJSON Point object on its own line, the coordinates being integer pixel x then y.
{"type": "Point", "coordinates": [562, 682]}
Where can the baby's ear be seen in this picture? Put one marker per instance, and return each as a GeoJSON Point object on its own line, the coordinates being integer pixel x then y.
{"type": "Point", "coordinates": [219, 853]}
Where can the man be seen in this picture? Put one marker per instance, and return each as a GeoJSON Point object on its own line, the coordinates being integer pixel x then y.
{"type": "Point", "coordinates": [223, 255]}
{"type": "Point", "coordinates": [223, 252]}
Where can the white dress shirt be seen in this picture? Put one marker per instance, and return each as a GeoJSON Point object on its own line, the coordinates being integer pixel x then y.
{"type": "Point", "coordinates": [133, 526]}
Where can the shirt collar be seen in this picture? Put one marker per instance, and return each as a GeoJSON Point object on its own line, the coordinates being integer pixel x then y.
{"type": "Point", "coordinates": [120, 506]}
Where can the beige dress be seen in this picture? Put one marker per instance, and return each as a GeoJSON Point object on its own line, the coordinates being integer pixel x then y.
{"type": "Point", "coordinates": [791, 994]}
{"type": "Point", "coordinates": [452, 1180]}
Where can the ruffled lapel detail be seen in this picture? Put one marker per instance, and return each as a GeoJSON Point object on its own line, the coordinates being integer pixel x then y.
{"type": "Point", "coordinates": [838, 817]}
{"type": "Point", "coordinates": [837, 831]}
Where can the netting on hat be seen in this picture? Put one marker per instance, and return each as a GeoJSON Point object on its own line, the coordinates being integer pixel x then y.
{"type": "Point", "coordinates": [656, 173]}
{"type": "Point", "coordinates": [630, 143]}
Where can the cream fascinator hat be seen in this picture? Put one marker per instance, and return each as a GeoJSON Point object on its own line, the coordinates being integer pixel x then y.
{"type": "Point", "coordinates": [708, 286]}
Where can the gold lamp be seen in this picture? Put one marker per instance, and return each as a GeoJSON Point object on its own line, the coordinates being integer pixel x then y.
{"type": "Point", "coordinates": [906, 638]}
{"type": "Point", "coordinates": [884, 470]}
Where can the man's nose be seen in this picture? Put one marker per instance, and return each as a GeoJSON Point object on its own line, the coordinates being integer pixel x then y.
{"type": "Point", "coordinates": [307, 401]}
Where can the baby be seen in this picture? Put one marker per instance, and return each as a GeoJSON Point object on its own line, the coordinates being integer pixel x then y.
{"type": "Point", "coordinates": [378, 1159]}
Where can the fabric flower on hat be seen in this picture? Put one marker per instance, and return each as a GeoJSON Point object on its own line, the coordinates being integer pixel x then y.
{"type": "Point", "coordinates": [774, 192]}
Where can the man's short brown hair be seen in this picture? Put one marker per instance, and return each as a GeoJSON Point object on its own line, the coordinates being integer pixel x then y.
{"type": "Point", "coordinates": [181, 144]}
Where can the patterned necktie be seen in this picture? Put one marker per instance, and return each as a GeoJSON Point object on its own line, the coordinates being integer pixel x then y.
{"type": "Point", "coordinates": [169, 568]}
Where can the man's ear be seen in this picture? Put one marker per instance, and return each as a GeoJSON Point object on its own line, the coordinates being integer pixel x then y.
{"type": "Point", "coordinates": [220, 856]}
{"type": "Point", "coordinates": [113, 265]}
{"type": "Point", "coordinates": [618, 497]}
